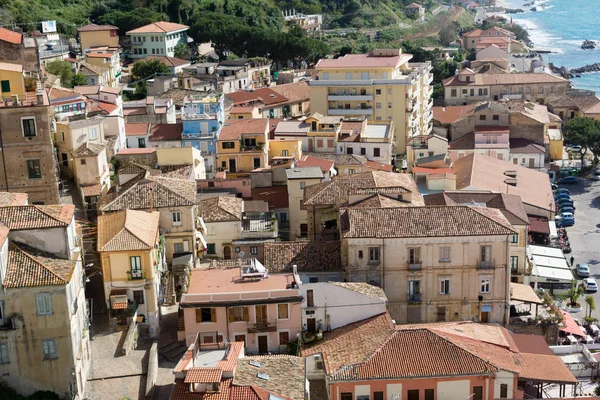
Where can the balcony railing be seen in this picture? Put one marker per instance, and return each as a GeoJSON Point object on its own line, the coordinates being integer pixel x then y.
{"type": "Point", "coordinates": [349, 97]}
{"type": "Point", "coordinates": [262, 326]}
{"type": "Point", "coordinates": [136, 274]}
{"type": "Point", "coordinates": [414, 297]}
{"type": "Point", "coordinates": [351, 111]}
{"type": "Point", "coordinates": [486, 264]}
{"type": "Point", "coordinates": [515, 271]}
{"type": "Point", "coordinates": [414, 266]}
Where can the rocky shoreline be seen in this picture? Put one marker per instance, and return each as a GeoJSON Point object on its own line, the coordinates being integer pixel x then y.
{"type": "Point", "coordinates": [570, 73]}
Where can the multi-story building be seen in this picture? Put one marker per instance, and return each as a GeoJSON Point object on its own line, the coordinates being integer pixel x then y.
{"type": "Point", "coordinates": [380, 86]}
{"type": "Point", "coordinates": [96, 74]}
{"type": "Point", "coordinates": [27, 154]}
{"type": "Point", "coordinates": [203, 118]}
{"type": "Point", "coordinates": [297, 180]}
{"type": "Point", "coordinates": [372, 141]}
{"type": "Point", "coordinates": [93, 35]}
{"type": "Point", "coordinates": [70, 135]}
{"type": "Point", "coordinates": [472, 38]}
{"type": "Point", "coordinates": [66, 103]}
{"type": "Point", "coordinates": [19, 50]}
{"type": "Point", "coordinates": [243, 146]}
{"type": "Point", "coordinates": [264, 311]}
{"type": "Point", "coordinates": [469, 87]}
{"type": "Point", "coordinates": [158, 38]}
{"type": "Point", "coordinates": [150, 110]}
{"type": "Point", "coordinates": [437, 268]}
{"type": "Point", "coordinates": [284, 101]}
{"type": "Point", "coordinates": [44, 327]}
{"type": "Point", "coordinates": [132, 257]}
{"type": "Point", "coordinates": [511, 207]}
{"type": "Point", "coordinates": [415, 11]}
{"type": "Point", "coordinates": [109, 59]}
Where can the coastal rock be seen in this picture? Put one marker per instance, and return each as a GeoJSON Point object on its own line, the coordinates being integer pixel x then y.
{"type": "Point", "coordinates": [588, 45]}
{"type": "Point", "coordinates": [513, 11]}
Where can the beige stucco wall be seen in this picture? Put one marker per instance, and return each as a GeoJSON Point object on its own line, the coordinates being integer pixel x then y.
{"type": "Point", "coordinates": [221, 234]}
{"type": "Point", "coordinates": [297, 216]}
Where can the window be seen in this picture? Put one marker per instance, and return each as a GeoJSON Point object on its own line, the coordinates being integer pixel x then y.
{"type": "Point", "coordinates": [253, 250]}
{"type": "Point", "coordinates": [176, 216]}
{"type": "Point", "coordinates": [482, 117]}
{"type": "Point", "coordinates": [284, 338]}
{"type": "Point", "coordinates": [4, 357]}
{"type": "Point", "coordinates": [377, 395]}
{"type": "Point", "coordinates": [514, 239]}
{"type": "Point", "coordinates": [141, 143]}
{"type": "Point", "coordinates": [376, 152]}
{"type": "Point", "coordinates": [302, 185]}
{"type": "Point", "coordinates": [444, 286]}
{"type": "Point", "coordinates": [414, 255]}
{"type": "Point", "coordinates": [389, 105]}
{"type": "Point", "coordinates": [83, 161]}
{"type": "Point", "coordinates": [552, 89]}
{"type": "Point", "coordinates": [29, 127]}
{"type": "Point", "coordinates": [514, 263]}
{"type": "Point", "coordinates": [284, 153]}
{"type": "Point", "coordinates": [43, 302]}
{"type": "Point", "coordinates": [503, 391]}
{"type": "Point", "coordinates": [377, 105]}
{"type": "Point", "coordinates": [228, 145]}
{"type": "Point", "coordinates": [152, 38]}
{"type": "Point", "coordinates": [33, 169]}
{"type": "Point", "coordinates": [540, 90]}
{"type": "Point", "coordinates": [238, 314]}
{"type": "Point", "coordinates": [313, 279]}
{"type": "Point", "coordinates": [211, 248]}
{"type": "Point", "coordinates": [302, 205]}
{"type": "Point", "coordinates": [360, 254]}
{"type": "Point", "coordinates": [453, 93]}
{"type": "Point", "coordinates": [477, 393]}
{"type": "Point", "coordinates": [373, 254]}
{"type": "Point", "coordinates": [135, 263]}
{"type": "Point", "coordinates": [5, 86]}
{"type": "Point", "coordinates": [177, 248]}
{"type": "Point", "coordinates": [283, 311]}
{"type": "Point", "coordinates": [495, 117]}
{"type": "Point", "coordinates": [93, 133]}
{"type": "Point", "coordinates": [309, 298]}
{"type": "Point", "coordinates": [377, 91]}
{"type": "Point", "coordinates": [363, 151]}
{"type": "Point", "coordinates": [472, 92]}
{"type": "Point", "coordinates": [153, 51]}
{"type": "Point", "coordinates": [429, 394]}
{"type": "Point", "coordinates": [412, 394]}
{"type": "Point", "coordinates": [484, 286]}
{"type": "Point", "coordinates": [138, 296]}
{"type": "Point", "coordinates": [206, 315]}
{"type": "Point", "coordinates": [49, 349]}
{"type": "Point", "coordinates": [351, 171]}
{"type": "Point", "coordinates": [346, 396]}
{"type": "Point", "coordinates": [445, 253]}
{"type": "Point", "coordinates": [486, 254]}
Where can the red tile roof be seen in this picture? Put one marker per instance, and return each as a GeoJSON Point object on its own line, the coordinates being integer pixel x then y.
{"type": "Point", "coordinates": [165, 132]}
{"type": "Point", "coordinates": [203, 375]}
{"type": "Point", "coordinates": [181, 391]}
{"type": "Point", "coordinates": [136, 128]}
{"type": "Point", "coordinates": [379, 166]}
{"type": "Point", "coordinates": [310, 161]}
{"type": "Point", "coordinates": [451, 114]}
{"type": "Point", "coordinates": [266, 96]}
{"type": "Point", "coordinates": [159, 27]}
{"type": "Point", "coordinates": [233, 129]}
{"type": "Point", "coordinates": [146, 150]}
{"type": "Point", "coordinates": [538, 224]}
{"type": "Point", "coordinates": [91, 190]}
{"type": "Point", "coordinates": [228, 364]}
{"type": "Point", "coordinates": [169, 61]}
{"type": "Point", "coordinates": [99, 55]}
{"type": "Point", "coordinates": [10, 36]}
{"type": "Point", "coordinates": [94, 27]}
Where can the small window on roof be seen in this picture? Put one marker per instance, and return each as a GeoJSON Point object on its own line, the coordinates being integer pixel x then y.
{"type": "Point", "coordinates": [263, 376]}
{"type": "Point", "coordinates": [255, 364]}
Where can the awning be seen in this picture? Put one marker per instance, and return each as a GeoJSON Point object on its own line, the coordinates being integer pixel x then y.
{"type": "Point", "coordinates": [571, 326]}
{"type": "Point", "coordinates": [486, 308]}
{"type": "Point", "coordinates": [524, 293]}
{"type": "Point", "coordinates": [538, 224]}
{"type": "Point", "coordinates": [553, 231]}
{"type": "Point", "coordinates": [119, 305]}
{"type": "Point", "coordinates": [199, 236]}
{"type": "Point", "coordinates": [202, 224]}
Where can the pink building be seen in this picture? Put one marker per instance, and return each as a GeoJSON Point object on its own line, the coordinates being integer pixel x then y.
{"type": "Point", "coordinates": [491, 141]}
{"type": "Point", "coordinates": [374, 359]}
{"type": "Point", "coordinates": [242, 304]}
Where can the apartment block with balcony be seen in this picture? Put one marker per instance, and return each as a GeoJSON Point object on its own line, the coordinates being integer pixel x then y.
{"type": "Point", "coordinates": [132, 258]}
{"type": "Point", "coordinates": [375, 142]}
{"type": "Point", "coordinates": [27, 154]}
{"type": "Point", "coordinates": [436, 269]}
{"type": "Point", "coordinates": [108, 58]}
{"type": "Point", "coordinates": [381, 86]}
{"type": "Point", "coordinates": [242, 302]}
{"type": "Point", "coordinates": [203, 118]}
{"type": "Point", "coordinates": [44, 331]}
{"type": "Point", "coordinates": [243, 146]}
{"type": "Point", "coordinates": [157, 38]}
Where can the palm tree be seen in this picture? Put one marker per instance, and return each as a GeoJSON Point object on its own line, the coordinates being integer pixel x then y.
{"type": "Point", "coordinates": [591, 305]}
{"type": "Point", "coordinates": [573, 295]}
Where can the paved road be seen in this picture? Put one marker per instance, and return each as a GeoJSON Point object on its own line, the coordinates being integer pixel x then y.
{"type": "Point", "coordinates": [585, 235]}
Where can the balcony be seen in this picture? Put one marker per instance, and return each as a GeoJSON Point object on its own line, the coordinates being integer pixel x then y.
{"type": "Point", "coordinates": [486, 264]}
{"type": "Point", "coordinates": [419, 142]}
{"type": "Point", "coordinates": [414, 266]}
{"type": "Point", "coordinates": [259, 226]}
{"type": "Point", "coordinates": [515, 271]}
{"type": "Point", "coordinates": [414, 298]}
{"type": "Point", "coordinates": [258, 148]}
{"type": "Point", "coordinates": [262, 327]}
{"type": "Point", "coordinates": [352, 111]}
{"type": "Point", "coordinates": [190, 116]}
{"type": "Point", "coordinates": [135, 275]}
{"type": "Point", "coordinates": [349, 97]}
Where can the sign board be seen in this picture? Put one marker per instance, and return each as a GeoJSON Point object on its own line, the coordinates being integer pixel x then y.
{"type": "Point", "coordinates": [48, 26]}
{"type": "Point", "coordinates": [53, 37]}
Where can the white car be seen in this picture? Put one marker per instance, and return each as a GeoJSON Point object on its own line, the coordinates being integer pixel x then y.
{"type": "Point", "coordinates": [589, 284]}
{"type": "Point", "coordinates": [575, 148]}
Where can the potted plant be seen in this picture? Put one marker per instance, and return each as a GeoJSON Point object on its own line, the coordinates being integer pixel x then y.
{"type": "Point", "coordinates": [572, 296]}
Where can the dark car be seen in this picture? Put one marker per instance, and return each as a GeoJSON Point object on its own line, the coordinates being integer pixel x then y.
{"type": "Point", "coordinates": [568, 180]}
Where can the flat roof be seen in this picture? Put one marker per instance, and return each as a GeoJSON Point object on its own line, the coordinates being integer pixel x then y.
{"type": "Point", "coordinates": [216, 280]}
{"type": "Point", "coordinates": [376, 131]}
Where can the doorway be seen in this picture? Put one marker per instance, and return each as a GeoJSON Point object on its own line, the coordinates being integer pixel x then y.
{"type": "Point", "coordinates": [311, 325]}
{"type": "Point", "coordinates": [263, 345]}
{"type": "Point", "coordinates": [232, 165]}
{"type": "Point", "coordinates": [227, 253]}
{"type": "Point", "coordinates": [261, 315]}
{"type": "Point", "coordinates": [485, 317]}
{"type": "Point", "coordinates": [240, 338]}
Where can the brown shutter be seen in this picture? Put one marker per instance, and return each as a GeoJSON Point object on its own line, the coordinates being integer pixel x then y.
{"type": "Point", "coordinates": [198, 315]}
{"type": "Point", "coordinates": [231, 315]}
{"type": "Point", "coordinates": [246, 316]}
{"type": "Point", "coordinates": [213, 315]}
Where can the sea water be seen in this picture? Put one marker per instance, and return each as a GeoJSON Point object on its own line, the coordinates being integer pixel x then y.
{"type": "Point", "coordinates": [561, 27]}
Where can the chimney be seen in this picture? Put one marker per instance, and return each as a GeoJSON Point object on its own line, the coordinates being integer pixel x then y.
{"type": "Point", "coordinates": [295, 269]}
{"type": "Point", "coordinates": [151, 200]}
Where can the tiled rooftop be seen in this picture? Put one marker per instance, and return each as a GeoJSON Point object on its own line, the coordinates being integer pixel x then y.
{"type": "Point", "coordinates": [28, 267]}
{"type": "Point", "coordinates": [203, 375]}
{"type": "Point", "coordinates": [307, 255]}
{"type": "Point", "coordinates": [363, 288]}
{"type": "Point", "coordinates": [285, 373]}
{"type": "Point", "coordinates": [36, 217]}
{"type": "Point", "coordinates": [220, 209]}
{"type": "Point", "coordinates": [127, 230]}
{"type": "Point", "coordinates": [88, 149]}
{"type": "Point", "coordinates": [13, 199]}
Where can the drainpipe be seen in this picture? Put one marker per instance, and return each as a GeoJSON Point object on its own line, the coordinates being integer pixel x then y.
{"type": "Point", "coordinates": [3, 159]}
{"type": "Point", "coordinates": [227, 319]}
{"type": "Point", "coordinates": [383, 264]}
{"type": "Point", "coordinates": [507, 286]}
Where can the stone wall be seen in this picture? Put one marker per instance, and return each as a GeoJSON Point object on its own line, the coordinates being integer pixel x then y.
{"type": "Point", "coordinates": [549, 332]}
{"type": "Point", "coordinates": [523, 127]}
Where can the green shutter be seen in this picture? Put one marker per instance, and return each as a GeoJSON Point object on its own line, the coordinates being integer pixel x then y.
{"type": "Point", "coordinates": [5, 86]}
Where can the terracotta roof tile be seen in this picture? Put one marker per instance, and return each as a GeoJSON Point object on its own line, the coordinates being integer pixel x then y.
{"type": "Point", "coordinates": [36, 217]}
{"type": "Point", "coordinates": [379, 166]}
{"type": "Point", "coordinates": [13, 199]}
{"type": "Point", "coordinates": [233, 354]}
{"type": "Point", "coordinates": [29, 267]}
{"type": "Point", "coordinates": [10, 36]}
{"type": "Point", "coordinates": [159, 27]}
{"type": "Point", "coordinates": [505, 79]}
{"type": "Point", "coordinates": [524, 146]}
{"type": "Point", "coordinates": [353, 343]}
{"type": "Point", "coordinates": [88, 149]}
{"type": "Point", "coordinates": [432, 221]}
{"type": "Point", "coordinates": [379, 201]}
{"type": "Point", "coordinates": [136, 128]}
{"type": "Point", "coordinates": [266, 96]}
{"type": "Point", "coordinates": [203, 375]}
{"type": "Point", "coordinates": [181, 391]}
{"type": "Point", "coordinates": [307, 255]}
{"type": "Point", "coordinates": [94, 27]}
{"type": "Point", "coordinates": [220, 209]}
{"type": "Point", "coordinates": [309, 161]}
{"type": "Point", "coordinates": [286, 374]}
{"type": "Point", "coordinates": [340, 159]}
{"type": "Point", "coordinates": [169, 61]}
{"type": "Point", "coordinates": [176, 171]}
{"type": "Point", "coordinates": [294, 92]}
{"type": "Point", "coordinates": [363, 288]}
{"type": "Point", "coordinates": [165, 132]}
{"type": "Point", "coordinates": [127, 230]}
{"type": "Point", "coordinates": [91, 190]}
{"type": "Point", "coordinates": [233, 129]}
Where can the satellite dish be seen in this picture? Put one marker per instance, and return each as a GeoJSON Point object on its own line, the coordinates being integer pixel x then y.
{"type": "Point", "coordinates": [241, 254]}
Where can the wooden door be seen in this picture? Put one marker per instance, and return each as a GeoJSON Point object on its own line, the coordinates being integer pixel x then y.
{"type": "Point", "coordinates": [240, 338]}
{"type": "Point", "coordinates": [261, 315]}
{"type": "Point", "coordinates": [227, 253]}
{"type": "Point", "coordinates": [485, 317]}
{"type": "Point", "coordinates": [531, 162]}
{"type": "Point", "coordinates": [263, 345]}
{"type": "Point", "coordinates": [311, 325]}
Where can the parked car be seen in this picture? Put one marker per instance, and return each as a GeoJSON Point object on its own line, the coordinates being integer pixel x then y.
{"type": "Point", "coordinates": [568, 180]}
{"type": "Point", "coordinates": [596, 178]}
{"type": "Point", "coordinates": [583, 270]}
{"type": "Point", "coordinates": [566, 215]}
{"type": "Point", "coordinates": [561, 190]}
{"type": "Point", "coordinates": [562, 196]}
{"type": "Point", "coordinates": [589, 284]}
{"type": "Point", "coordinates": [575, 147]}
{"type": "Point", "coordinates": [566, 209]}
{"type": "Point", "coordinates": [554, 186]}
{"type": "Point", "coordinates": [565, 202]}
{"type": "Point", "coordinates": [565, 222]}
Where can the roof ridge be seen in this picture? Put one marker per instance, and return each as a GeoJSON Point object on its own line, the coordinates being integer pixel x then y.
{"type": "Point", "coordinates": [478, 210]}
{"type": "Point", "coordinates": [38, 207]}
{"type": "Point", "coordinates": [37, 261]}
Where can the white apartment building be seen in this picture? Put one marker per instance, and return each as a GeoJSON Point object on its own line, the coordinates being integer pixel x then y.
{"type": "Point", "coordinates": [158, 38]}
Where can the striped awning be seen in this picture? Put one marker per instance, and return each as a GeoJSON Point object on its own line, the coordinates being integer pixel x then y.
{"type": "Point", "coordinates": [119, 306]}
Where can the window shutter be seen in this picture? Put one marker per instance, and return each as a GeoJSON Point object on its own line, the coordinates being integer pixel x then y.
{"type": "Point", "coordinates": [219, 338]}
{"type": "Point", "coordinates": [230, 314]}
{"type": "Point", "coordinates": [38, 303]}
{"type": "Point", "coordinates": [213, 315]}
{"type": "Point", "coordinates": [246, 317]}
{"type": "Point", "coordinates": [198, 315]}
{"type": "Point", "coordinates": [186, 246]}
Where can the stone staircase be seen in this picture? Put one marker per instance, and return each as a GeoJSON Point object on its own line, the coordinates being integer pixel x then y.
{"type": "Point", "coordinates": [169, 290]}
{"type": "Point", "coordinates": [172, 351]}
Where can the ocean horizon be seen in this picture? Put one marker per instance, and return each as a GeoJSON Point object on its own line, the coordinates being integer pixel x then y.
{"type": "Point", "coordinates": [562, 26]}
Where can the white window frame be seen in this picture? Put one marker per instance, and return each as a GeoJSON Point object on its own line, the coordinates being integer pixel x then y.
{"type": "Point", "coordinates": [444, 285]}
{"type": "Point", "coordinates": [445, 253]}
{"type": "Point", "coordinates": [43, 302]}
{"type": "Point", "coordinates": [93, 133]}
{"type": "Point", "coordinates": [253, 250]}
{"type": "Point", "coordinates": [49, 349]}
{"type": "Point", "coordinates": [485, 285]}
{"type": "Point", "coordinates": [176, 218]}
{"type": "Point", "coordinates": [4, 353]}
{"type": "Point", "coordinates": [374, 255]}
{"type": "Point", "coordinates": [34, 126]}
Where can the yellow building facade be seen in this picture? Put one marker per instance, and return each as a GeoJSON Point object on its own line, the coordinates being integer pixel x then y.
{"type": "Point", "coordinates": [11, 80]}
{"type": "Point", "coordinates": [93, 35]}
{"type": "Point", "coordinates": [379, 86]}
{"type": "Point", "coordinates": [243, 146]}
{"type": "Point", "coordinates": [285, 148]}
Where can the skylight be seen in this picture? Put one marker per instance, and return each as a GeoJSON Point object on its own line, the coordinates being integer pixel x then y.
{"type": "Point", "coordinates": [263, 376]}
{"type": "Point", "coordinates": [255, 364]}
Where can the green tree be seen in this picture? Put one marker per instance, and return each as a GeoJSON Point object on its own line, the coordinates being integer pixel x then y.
{"type": "Point", "coordinates": [145, 69]}
{"type": "Point", "coordinates": [591, 305]}
{"type": "Point", "coordinates": [62, 69]}
{"type": "Point", "coordinates": [584, 132]}
{"type": "Point", "coordinates": [182, 51]}
{"type": "Point", "coordinates": [448, 35]}
{"type": "Point", "coordinates": [78, 79]}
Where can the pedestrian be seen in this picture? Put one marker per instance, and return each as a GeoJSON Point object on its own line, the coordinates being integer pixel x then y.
{"type": "Point", "coordinates": [572, 260]}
